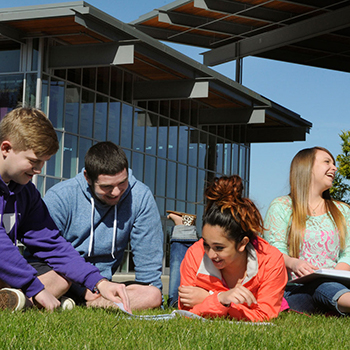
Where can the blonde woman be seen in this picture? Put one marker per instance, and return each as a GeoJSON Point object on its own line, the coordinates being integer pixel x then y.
{"type": "Point", "coordinates": [311, 230]}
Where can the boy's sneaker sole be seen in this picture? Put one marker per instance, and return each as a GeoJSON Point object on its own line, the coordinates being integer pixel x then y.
{"type": "Point", "coordinates": [12, 299]}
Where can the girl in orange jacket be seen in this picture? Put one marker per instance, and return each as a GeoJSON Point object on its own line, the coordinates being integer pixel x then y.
{"type": "Point", "coordinates": [231, 271]}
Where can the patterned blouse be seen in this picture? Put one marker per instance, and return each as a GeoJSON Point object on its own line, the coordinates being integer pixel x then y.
{"type": "Point", "coordinates": [321, 245]}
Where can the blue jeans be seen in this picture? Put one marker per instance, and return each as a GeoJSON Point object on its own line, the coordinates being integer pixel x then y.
{"type": "Point", "coordinates": [181, 239]}
{"type": "Point", "coordinates": [318, 296]}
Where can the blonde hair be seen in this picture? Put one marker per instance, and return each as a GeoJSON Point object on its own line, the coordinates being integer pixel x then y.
{"type": "Point", "coordinates": [300, 181]}
{"type": "Point", "coordinates": [29, 129]}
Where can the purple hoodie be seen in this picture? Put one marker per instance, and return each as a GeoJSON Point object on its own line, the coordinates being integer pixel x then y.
{"type": "Point", "coordinates": [24, 217]}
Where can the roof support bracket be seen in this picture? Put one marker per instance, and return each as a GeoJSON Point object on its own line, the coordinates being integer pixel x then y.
{"type": "Point", "coordinates": [91, 55]}
{"type": "Point", "coordinates": [231, 116]}
{"type": "Point", "coordinates": [170, 90]}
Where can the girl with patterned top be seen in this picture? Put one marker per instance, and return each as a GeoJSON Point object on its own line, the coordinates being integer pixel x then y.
{"type": "Point", "coordinates": [311, 230]}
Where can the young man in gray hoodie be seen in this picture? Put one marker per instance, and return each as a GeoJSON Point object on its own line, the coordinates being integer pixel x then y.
{"type": "Point", "coordinates": [102, 209]}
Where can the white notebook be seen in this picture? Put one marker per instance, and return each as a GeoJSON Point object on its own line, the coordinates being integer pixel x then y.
{"type": "Point", "coordinates": [340, 276]}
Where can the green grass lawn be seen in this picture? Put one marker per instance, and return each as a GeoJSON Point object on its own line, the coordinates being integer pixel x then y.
{"type": "Point", "coordinates": [83, 328]}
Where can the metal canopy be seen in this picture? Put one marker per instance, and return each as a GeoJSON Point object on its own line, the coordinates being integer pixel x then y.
{"type": "Point", "coordinates": [83, 36]}
{"type": "Point", "coordinates": [309, 32]}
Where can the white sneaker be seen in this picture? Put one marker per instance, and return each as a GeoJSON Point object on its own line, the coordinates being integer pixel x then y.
{"type": "Point", "coordinates": [67, 303]}
{"type": "Point", "coordinates": [12, 299]}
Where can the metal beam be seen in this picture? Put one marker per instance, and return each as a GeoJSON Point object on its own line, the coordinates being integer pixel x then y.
{"type": "Point", "coordinates": [172, 36]}
{"type": "Point", "coordinates": [242, 10]}
{"type": "Point", "coordinates": [303, 30]}
{"type": "Point", "coordinates": [12, 34]}
{"type": "Point", "coordinates": [170, 90]}
{"type": "Point", "coordinates": [91, 55]}
{"type": "Point", "coordinates": [275, 134]}
{"type": "Point", "coordinates": [231, 116]}
{"type": "Point", "coordinates": [202, 23]}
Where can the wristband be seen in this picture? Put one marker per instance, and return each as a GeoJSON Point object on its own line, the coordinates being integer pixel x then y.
{"type": "Point", "coordinates": [95, 290]}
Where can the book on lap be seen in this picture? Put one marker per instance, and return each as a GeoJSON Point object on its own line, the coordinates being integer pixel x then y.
{"type": "Point", "coordinates": [340, 276]}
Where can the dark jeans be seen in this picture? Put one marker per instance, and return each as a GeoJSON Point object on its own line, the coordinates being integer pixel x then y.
{"type": "Point", "coordinates": [319, 296]}
{"type": "Point", "coordinates": [182, 238]}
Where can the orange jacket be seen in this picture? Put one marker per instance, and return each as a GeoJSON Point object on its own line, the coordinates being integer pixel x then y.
{"type": "Point", "coordinates": [267, 282]}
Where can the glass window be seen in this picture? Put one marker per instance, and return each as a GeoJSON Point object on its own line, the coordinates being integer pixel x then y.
{"type": "Point", "coordinates": [137, 165]}
{"type": "Point", "coordinates": [35, 54]}
{"type": "Point", "coordinates": [70, 156]}
{"type": "Point", "coordinates": [116, 83]}
{"type": "Point", "coordinates": [235, 158]}
{"type": "Point", "coordinates": [171, 180]}
{"type": "Point", "coordinates": [30, 94]}
{"type": "Point", "coordinates": [181, 182]}
{"type": "Point", "coordinates": [72, 108]}
{"type": "Point", "coordinates": [242, 162]}
{"type": "Point", "coordinates": [151, 133]}
{"type": "Point", "coordinates": [185, 111]}
{"type": "Point", "coordinates": [150, 172]}
{"type": "Point", "coordinates": [153, 106]}
{"type": "Point", "coordinates": [60, 73]}
{"type": "Point", "coordinates": [181, 206]}
{"type": "Point", "coordinates": [114, 122]}
{"type": "Point", "coordinates": [100, 129]}
{"type": "Point", "coordinates": [89, 78]}
{"type": "Point", "coordinates": [165, 108]}
{"type": "Point", "coordinates": [201, 185]}
{"type": "Point", "coordinates": [227, 159]}
{"type": "Point", "coordinates": [183, 144]}
{"type": "Point", "coordinates": [194, 113]}
{"type": "Point", "coordinates": [161, 205]}
{"type": "Point", "coordinates": [202, 150]}
{"type": "Point", "coordinates": [200, 211]}
{"type": "Point", "coordinates": [193, 147]}
{"type": "Point", "coordinates": [10, 55]}
{"type": "Point", "coordinates": [219, 156]}
{"type": "Point", "coordinates": [87, 113]}
{"type": "Point", "coordinates": [139, 130]}
{"type": "Point", "coordinates": [53, 166]}
{"type": "Point", "coordinates": [103, 80]}
{"type": "Point", "coordinates": [56, 103]}
{"type": "Point", "coordinates": [84, 145]}
{"type": "Point", "coordinates": [40, 184]}
{"type": "Point", "coordinates": [161, 177]}
{"type": "Point", "coordinates": [212, 153]}
{"type": "Point", "coordinates": [170, 204]}
{"type": "Point", "coordinates": [74, 75]}
{"type": "Point", "coordinates": [191, 184]}
{"type": "Point", "coordinates": [126, 129]}
{"type": "Point", "coordinates": [45, 93]}
{"type": "Point", "coordinates": [128, 155]}
{"type": "Point", "coordinates": [127, 93]}
{"type": "Point", "coordinates": [51, 182]}
{"type": "Point", "coordinates": [191, 208]}
{"type": "Point", "coordinates": [173, 136]}
{"type": "Point", "coordinates": [175, 109]}
{"type": "Point", "coordinates": [11, 91]}
{"type": "Point", "coordinates": [163, 137]}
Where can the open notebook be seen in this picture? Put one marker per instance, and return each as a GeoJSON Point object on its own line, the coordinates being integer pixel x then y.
{"type": "Point", "coordinates": [340, 276]}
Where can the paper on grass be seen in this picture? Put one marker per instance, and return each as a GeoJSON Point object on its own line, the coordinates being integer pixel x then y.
{"type": "Point", "coordinates": [340, 276]}
{"type": "Point", "coordinates": [180, 313]}
{"type": "Point", "coordinates": [174, 314]}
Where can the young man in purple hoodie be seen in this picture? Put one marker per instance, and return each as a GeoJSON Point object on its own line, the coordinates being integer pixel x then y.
{"type": "Point", "coordinates": [27, 141]}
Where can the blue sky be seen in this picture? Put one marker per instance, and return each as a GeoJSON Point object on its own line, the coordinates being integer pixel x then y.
{"type": "Point", "coordinates": [318, 95]}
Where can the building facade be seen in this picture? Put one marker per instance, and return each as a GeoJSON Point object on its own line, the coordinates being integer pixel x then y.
{"type": "Point", "coordinates": [173, 141]}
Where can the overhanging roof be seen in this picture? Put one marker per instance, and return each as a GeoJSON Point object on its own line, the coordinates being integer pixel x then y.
{"type": "Point", "coordinates": [309, 32]}
{"type": "Point", "coordinates": [86, 36]}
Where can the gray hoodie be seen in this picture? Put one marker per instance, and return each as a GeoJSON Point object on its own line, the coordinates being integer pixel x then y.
{"type": "Point", "coordinates": [135, 218]}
